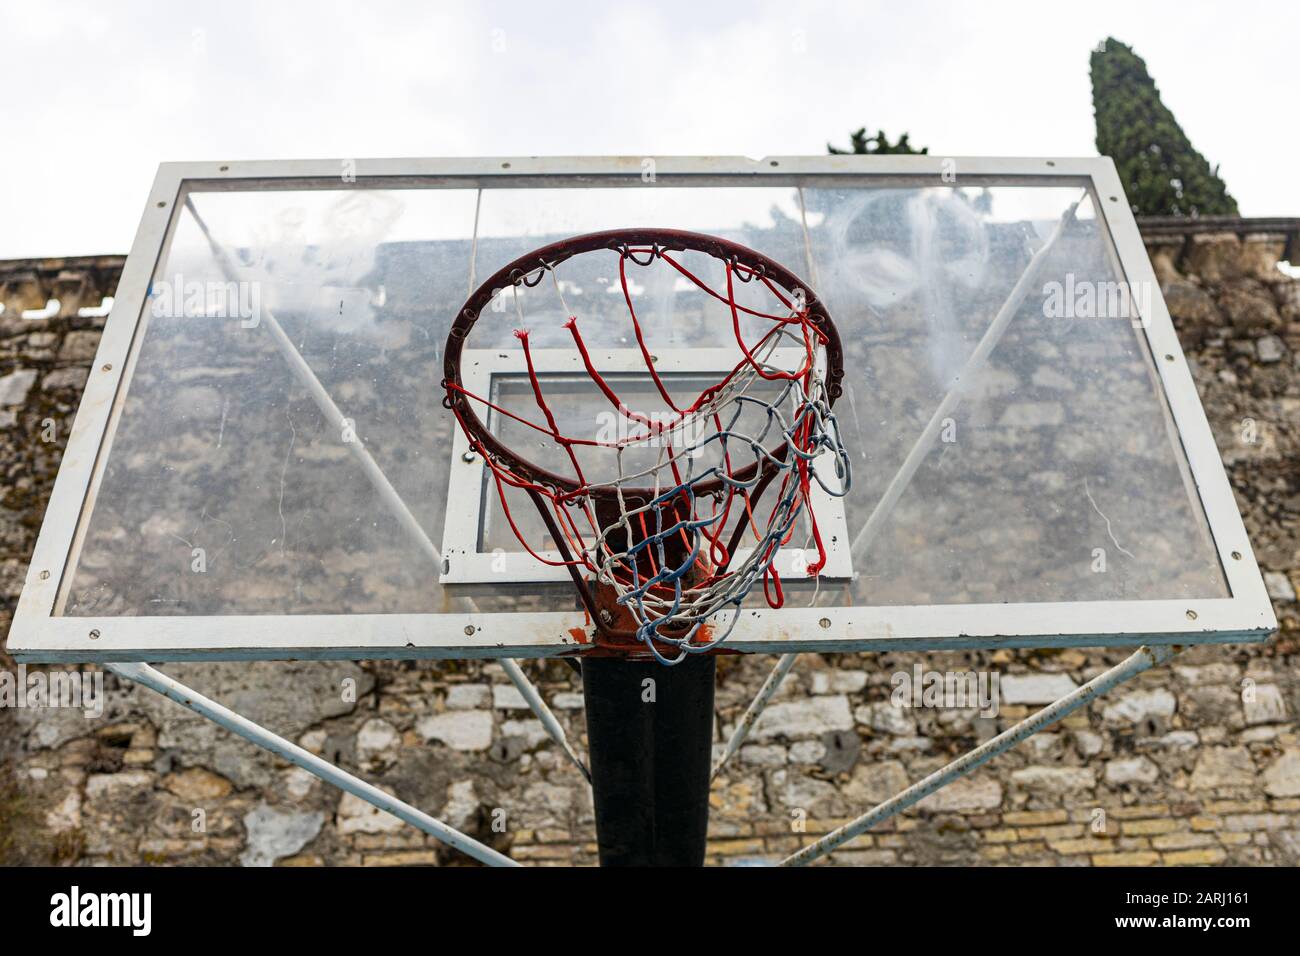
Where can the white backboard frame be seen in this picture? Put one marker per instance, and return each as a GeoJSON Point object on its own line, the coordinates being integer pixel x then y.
{"type": "Point", "coordinates": [40, 634]}
{"type": "Point", "coordinates": [464, 561]}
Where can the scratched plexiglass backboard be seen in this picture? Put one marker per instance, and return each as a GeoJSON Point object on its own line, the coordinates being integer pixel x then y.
{"type": "Point", "coordinates": [1057, 476]}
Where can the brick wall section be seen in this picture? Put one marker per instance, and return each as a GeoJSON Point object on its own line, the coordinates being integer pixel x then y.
{"type": "Point", "coordinates": [1197, 762]}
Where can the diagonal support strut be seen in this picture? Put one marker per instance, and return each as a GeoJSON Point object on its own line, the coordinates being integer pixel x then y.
{"type": "Point", "coordinates": [1144, 658]}
{"type": "Point", "coordinates": [255, 734]}
{"type": "Point", "coordinates": [755, 710]}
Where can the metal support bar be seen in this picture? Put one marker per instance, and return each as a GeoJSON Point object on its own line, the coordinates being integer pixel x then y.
{"type": "Point", "coordinates": [534, 699]}
{"type": "Point", "coordinates": [1144, 658]}
{"type": "Point", "coordinates": [379, 481]}
{"type": "Point", "coordinates": [974, 364]}
{"type": "Point", "coordinates": [147, 676]}
{"type": "Point", "coordinates": [756, 707]}
{"type": "Point", "coordinates": [920, 448]}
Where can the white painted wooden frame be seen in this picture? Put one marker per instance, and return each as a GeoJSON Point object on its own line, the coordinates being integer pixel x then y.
{"type": "Point", "coordinates": [39, 633]}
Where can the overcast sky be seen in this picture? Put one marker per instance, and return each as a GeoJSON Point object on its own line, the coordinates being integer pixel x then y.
{"type": "Point", "coordinates": [96, 94]}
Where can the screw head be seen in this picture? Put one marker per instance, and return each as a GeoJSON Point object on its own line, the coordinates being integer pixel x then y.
{"type": "Point", "coordinates": [94, 635]}
{"type": "Point", "coordinates": [468, 457]}
{"type": "Point", "coordinates": [45, 575]}
{"type": "Point", "coordinates": [469, 630]}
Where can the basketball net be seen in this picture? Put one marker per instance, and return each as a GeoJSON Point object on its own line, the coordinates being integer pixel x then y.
{"type": "Point", "coordinates": [668, 545]}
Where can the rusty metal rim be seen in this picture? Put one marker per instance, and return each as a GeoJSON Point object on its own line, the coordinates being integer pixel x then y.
{"type": "Point", "coordinates": [618, 240]}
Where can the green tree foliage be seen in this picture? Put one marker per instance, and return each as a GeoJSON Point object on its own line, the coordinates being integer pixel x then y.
{"type": "Point", "coordinates": [1163, 174]}
{"type": "Point", "coordinates": [878, 145]}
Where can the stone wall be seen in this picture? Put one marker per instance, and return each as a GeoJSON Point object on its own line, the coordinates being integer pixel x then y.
{"type": "Point", "coordinates": [1195, 762]}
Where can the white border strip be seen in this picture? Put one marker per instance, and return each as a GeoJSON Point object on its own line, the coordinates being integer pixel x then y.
{"type": "Point", "coordinates": [463, 561]}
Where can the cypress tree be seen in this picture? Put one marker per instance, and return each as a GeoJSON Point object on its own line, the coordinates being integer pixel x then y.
{"type": "Point", "coordinates": [1162, 173]}
{"type": "Point", "coordinates": [879, 145]}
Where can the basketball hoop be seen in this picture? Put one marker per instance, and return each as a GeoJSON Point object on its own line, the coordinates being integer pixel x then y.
{"type": "Point", "coordinates": [650, 522]}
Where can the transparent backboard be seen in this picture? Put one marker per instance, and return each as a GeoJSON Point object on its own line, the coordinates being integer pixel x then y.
{"type": "Point", "coordinates": [224, 488]}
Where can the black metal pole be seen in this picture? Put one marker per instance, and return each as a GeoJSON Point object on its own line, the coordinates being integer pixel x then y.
{"type": "Point", "coordinates": [650, 740]}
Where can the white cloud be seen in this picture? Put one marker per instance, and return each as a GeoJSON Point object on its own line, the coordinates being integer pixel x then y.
{"type": "Point", "coordinates": [97, 95]}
